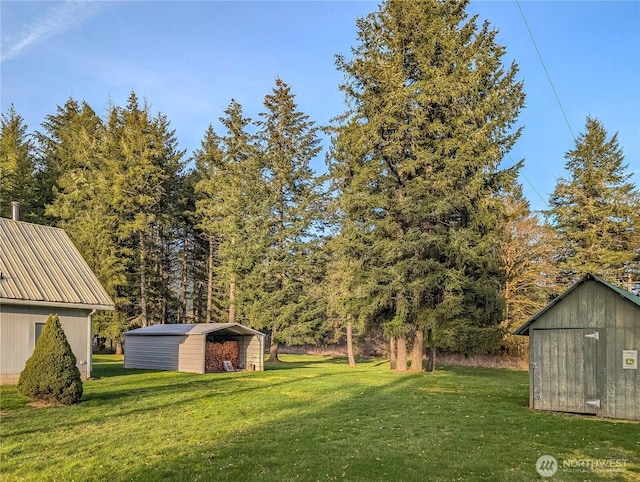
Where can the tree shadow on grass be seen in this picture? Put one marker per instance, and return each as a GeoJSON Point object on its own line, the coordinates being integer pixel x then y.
{"type": "Point", "coordinates": [310, 363]}
{"type": "Point", "coordinates": [464, 426]}
{"type": "Point", "coordinates": [356, 425]}
{"type": "Point", "coordinates": [390, 431]}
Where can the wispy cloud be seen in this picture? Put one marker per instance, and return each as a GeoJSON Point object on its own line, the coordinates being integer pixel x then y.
{"type": "Point", "coordinates": [56, 19]}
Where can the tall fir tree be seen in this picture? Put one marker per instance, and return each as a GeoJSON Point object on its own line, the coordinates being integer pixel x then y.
{"type": "Point", "coordinates": [17, 166]}
{"type": "Point", "coordinates": [81, 202]}
{"type": "Point", "coordinates": [211, 179]}
{"type": "Point", "coordinates": [231, 196]}
{"type": "Point", "coordinates": [292, 216]}
{"type": "Point", "coordinates": [345, 299]}
{"type": "Point", "coordinates": [416, 162]}
{"type": "Point", "coordinates": [138, 189]}
{"type": "Point", "coordinates": [596, 210]}
{"type": "Point", "coordinates": [144, 165]}
{"type": "Point", "coordinates": [67, 142]}
{"type": "Point", "coordinates": [190, 251]}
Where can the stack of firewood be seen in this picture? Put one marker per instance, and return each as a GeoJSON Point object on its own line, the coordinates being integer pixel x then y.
{"type": "Point", "coordinates": [216, 353]}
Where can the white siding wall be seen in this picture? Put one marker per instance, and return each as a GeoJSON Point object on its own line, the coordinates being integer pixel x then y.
{"type": "Point", "coordinates": [18, 331]}
{"type": "Point", "coordinates": [152, 352]}
{"type": "Point", "coordinates": [255, 351]}
{"type": "Point", "coordinates": [191, 354]}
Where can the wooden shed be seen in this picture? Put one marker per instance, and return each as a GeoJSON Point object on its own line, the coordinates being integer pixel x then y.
{"type": "Point", "coordinates": [183, 347]}
{"type": "Point", "coordinates": [42, 273]}
{"type": "Point", "coordinates": [583, 351]}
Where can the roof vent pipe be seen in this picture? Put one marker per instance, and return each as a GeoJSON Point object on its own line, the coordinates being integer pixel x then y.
{"type": "Point", "coordinates": [15, 210]}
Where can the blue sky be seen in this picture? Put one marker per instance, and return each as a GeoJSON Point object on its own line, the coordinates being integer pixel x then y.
{"type": "Point", "coordinates": [189, 59]}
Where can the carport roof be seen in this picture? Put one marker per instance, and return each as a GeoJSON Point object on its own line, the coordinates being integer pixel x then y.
{"type": "Point", "coordinates": [192, 329]}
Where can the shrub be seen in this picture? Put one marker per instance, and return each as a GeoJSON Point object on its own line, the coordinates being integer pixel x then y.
{"type": "Point", "coordinates": [51, 373]}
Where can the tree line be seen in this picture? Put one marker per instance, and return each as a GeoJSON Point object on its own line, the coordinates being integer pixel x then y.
{"type": "Point", "coordinates": [416, 231]}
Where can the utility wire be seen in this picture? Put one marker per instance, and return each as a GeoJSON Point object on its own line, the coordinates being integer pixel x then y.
{"type": "Point", "coordinates": [533, 40]}
{"type": "Point", "coordinates": [530, 183]}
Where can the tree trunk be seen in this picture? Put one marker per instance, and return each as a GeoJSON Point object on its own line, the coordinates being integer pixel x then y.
{"type": "Point", "coordinates": [273, 348]}
{"type": "Point", "coordinates": [143, 282]}
{"type": "Point", "coordinates": [163, 270]}
{"type": "Point", "coordinates": [431, 359]}
{"type": "Point", "coordinates": [402, 354]}
{"type": "Point", "coordinates": [352, 360]}
{"type": "Point", "coordinates": [232, 299]}
{"type": "Point", "coordinates": [182, 318]}
{"type": "Point", "coordinates": [431, 352]}
{"type": "Point", "coordinates": [393, 361]}
{"type": "Point", "coordinates": [417, 354]}
{"type": "Point", "coordinates": [210, 281]}
{"type": "Point", "coordinates": [232, 292]}
{"type": "Point", "coordinates": [119, 350]}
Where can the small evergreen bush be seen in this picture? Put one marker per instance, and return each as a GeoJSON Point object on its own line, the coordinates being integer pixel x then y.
{"type": "Point", "coordinates": [51, 373]}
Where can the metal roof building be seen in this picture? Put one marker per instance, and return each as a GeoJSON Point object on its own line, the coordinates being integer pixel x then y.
{"type": "Point", "coordinates": [182, 347]}
{"type": "Point", "coordinates": [42, 273]}
{"type": "Point", "coordinates": [583, 351]}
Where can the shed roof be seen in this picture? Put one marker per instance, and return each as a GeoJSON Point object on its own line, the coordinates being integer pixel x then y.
{"type": "Point", "coordinates": [524, 329]}
{"type": "Point", "coordinates": [39, 265]}
{"type": "Point", "coordinates": [192, 329]}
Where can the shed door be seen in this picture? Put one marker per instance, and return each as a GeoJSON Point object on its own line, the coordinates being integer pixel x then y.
{"type": "Point", "coordinates": [564, 370]}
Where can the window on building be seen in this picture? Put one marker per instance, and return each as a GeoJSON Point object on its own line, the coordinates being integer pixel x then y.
{"type": "Point", "coordinates": [39, 328]}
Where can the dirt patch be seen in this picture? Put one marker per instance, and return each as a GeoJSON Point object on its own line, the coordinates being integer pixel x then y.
{"type": "Point", "coordinates": [43, 403]}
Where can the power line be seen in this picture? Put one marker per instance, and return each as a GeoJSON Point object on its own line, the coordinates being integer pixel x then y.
{"type": "Point", "coordinates": [535, 45]}
{"type": "Point", "coordinates": [521, 173]}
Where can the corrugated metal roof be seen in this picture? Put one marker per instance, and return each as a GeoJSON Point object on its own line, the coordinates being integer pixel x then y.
{"type": "Point", "coordinates": [524, 329]}
{"type": "Point", "coordinates": [40, 265]}
{"type": "Point", "coordinates": [192, 329]}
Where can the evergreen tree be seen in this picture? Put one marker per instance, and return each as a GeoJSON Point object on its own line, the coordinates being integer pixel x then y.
{"type": "Point", "coordinates": [292, 212]}
{"type": "Point", "coordinates": [138, 188]}
{"type": "Point", "coordinates": [68, 142]}
{"type": "Point", "coordinates": [190, 251]}
{"type": "Point", "coordinates": [143, 164]}
{"type": "Point", "coordinates": [212, 181]}
{"type": "Point", "coordinates": [81, 202]}
{"type": "Point", "coordinates": [416, 162]}
{"type": "Point", "coordinates": [345, 299]}
{"type": "Point", "coordinates": [75, 184]}
{"type": "Point", "coordinates": [16, 166]}
{"type": "Point", "coordinates": [165, 232]}
{"type": "Point", "coordinates": [231, 197]}
{"type": "Point", "coordinates": [51, 373]}
{"type": "Point", "coordinates": [596, 210]}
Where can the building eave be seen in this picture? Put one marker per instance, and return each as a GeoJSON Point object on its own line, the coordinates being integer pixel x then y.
{"type": "Point", "coordinates": [54, 305]}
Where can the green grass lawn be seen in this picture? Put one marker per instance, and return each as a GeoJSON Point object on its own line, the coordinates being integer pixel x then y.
{"type": "Point", "coordinates": [312, 418]}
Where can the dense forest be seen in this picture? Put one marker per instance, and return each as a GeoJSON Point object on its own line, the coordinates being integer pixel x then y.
{"type": "Point", "coordinates": [415, 232]}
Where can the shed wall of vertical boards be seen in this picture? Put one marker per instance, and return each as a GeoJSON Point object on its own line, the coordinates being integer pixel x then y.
{"type": "Point", "coordinates": [580, 368]}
